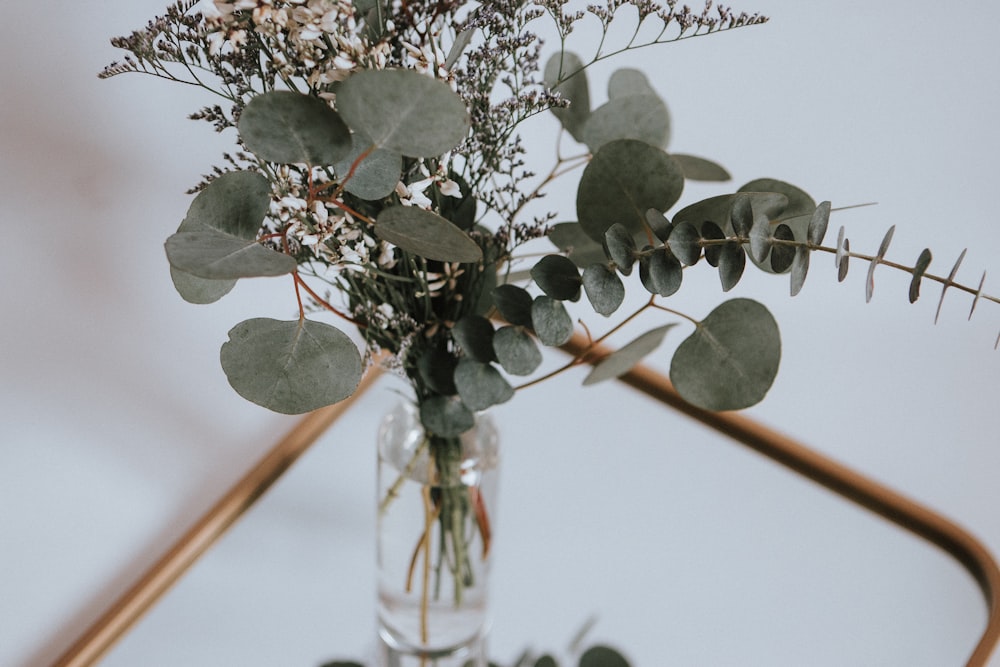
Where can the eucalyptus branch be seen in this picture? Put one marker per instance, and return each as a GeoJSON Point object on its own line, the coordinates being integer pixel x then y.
{"type": "Point", "coordinates": [417, 234]}
{"type": "Point", "coordinates": [582, 357]}
{"type": "Point", "coordinates": [844, 254]}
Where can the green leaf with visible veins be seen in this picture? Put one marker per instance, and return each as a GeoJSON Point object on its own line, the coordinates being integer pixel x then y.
{"type": "Point", "coordinates": [404, 111]}
{"type": "Point", "coordinates": [731, 359]}
{"type": "Point", "coordinates": [426, 234]}
{"type": "Point", "coordinates": [291, 367]}
{"type": "Point", "coordinates": [286, 127]}
{"type": "Point", "coordinates": [622, 181]}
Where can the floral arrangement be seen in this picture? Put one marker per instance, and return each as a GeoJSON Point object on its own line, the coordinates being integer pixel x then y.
{"type": "Point", "coordinates": [379, 166]}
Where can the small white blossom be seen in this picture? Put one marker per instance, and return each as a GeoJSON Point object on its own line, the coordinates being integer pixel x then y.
{"type": "Point", "coordinates": [218, 41]}
{"type": "Point", "coordinates": [449, 188]}
{"type": "Point", "coordinates": [417, 196]}
{"type": "Point", "coordinates": [208, 9]}
{"type": "Point", "coordinates": [387, 258]}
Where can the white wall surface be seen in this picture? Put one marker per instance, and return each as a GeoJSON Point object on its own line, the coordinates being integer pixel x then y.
{"type": "Point", "coordinates": [117, 427]}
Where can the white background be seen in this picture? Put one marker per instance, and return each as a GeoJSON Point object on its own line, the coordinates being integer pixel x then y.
{"type": "Point", "coordinates": [117, 426]}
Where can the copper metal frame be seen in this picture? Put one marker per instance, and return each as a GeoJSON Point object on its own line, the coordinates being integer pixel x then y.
{"type": "Point", "coordinates": [919, 520]}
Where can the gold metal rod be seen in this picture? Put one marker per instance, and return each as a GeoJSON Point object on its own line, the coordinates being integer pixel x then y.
{"type": "Point", "coordinates": [924, 523]}
{"type": "Point", "coordinates": [130, 607]}
{"type": "Point", "coordinates": [857, 488]}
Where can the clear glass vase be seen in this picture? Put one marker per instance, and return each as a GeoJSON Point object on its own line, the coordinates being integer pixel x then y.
{"type": "Point", "coordinates": [436, 508]}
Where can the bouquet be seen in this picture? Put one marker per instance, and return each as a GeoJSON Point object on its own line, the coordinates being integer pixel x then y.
{"type": "Point", "coordinates": [379, 167]}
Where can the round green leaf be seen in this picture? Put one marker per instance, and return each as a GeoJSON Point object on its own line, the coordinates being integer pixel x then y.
{"type": "Point", "coordinates": [604, 288]}
{"type": "Point", "coordinates": [291, 367]}
{"type": "Point", "coordinates": [516, 350]}
{"type": "Point", "coordinates": [641, 117]}
{"type": "Point", "coordinates": [792, 229]}
{"type": "Point", "coordinates": [712, 232]}
{"type": "Point", "coordinates": [628, 81]}
{"type": "Point", "coordinates": [731, 359]}
{"type": "Point", "coordinates": [799, 201]}
{"type": "Point", "coordinates": [717, 209]}
{"type": "Point", "coordinates": [782, 255]}
{"type": "Point", "coordinates": [620, 247]}
{"type": "Point", "coordinates": [480, 295]}
{"type": "Point", "coordinates": [732, 262]}
{"type": "Point", "coordinates": [818, 223]}
{"type": "Point", "coordinates": [481, 385]}
{"type": "Point", "coordinates": [658, 224]}
{"type": "Point", "coordinates": [552, 324]}
{"type": "Point", "coordinates": [760, 238]}
{"type": "Point", "coordinates": [699, 169]}
{"type": "Point", "coordinates": [625, 358]}
{"type": "Point", "coordinates": [578, 246]}
{"type": "Point", "coordinates": [622, 181]}
{"type": "Point", "coordinates": [426, 234]}
{"type": "Point", "coordinates": [514, 303]}
{"type": "Point", "coordinates": [446, 416]}
{"type": "Point", "coordinates": [404, 111]}
{"type": "Point", "coordinates": [602, 656]}
{"type": "Point", "coordinates": [558, 277]}
{"type": "Point", "coordinates": [800, 267]}
{"type": "Point", "coordinates": [199, 290]}
{"type": "Point", "coordinates": [796, 215]}
{"type": "Point", "coordinates": [546, 661]}
{"type": "Point", "coordinates": [234, 203]}
{"type": "Point", "coordinates": [437, 370]}
{"type": "Point", "coordinates": [219, 256]}
{"type": "Point", "coordinates": [684, 243]}
{"type": "Point", "coordinates": [741, 215]}
{"type": "Point", "coordinates": [376, 175]}
{"type": "Point", "coordinates": [291, 128]}
{"type": "Point", "coordinates": [474, 334]}
{"type": "Point", "coordinates": [565, 74]}
{"type": "Point", "coordinates": [661, 273]}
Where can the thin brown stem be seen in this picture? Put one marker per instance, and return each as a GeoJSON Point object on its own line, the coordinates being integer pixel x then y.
{"type": "Point", "coordinates": [354, 166]}
{"type": "Point", "coordinates": [324, 303]}
{"type": "Point", "coordinates": [482, 519]}
{"type": "Point", "coordinates": [584, 356]}
{"type": "Point", "coordinates": [344, 207]}
{"type": "Point", "coordinates": [948, 282]}
{"type": "Point", "coordinates": [553, 174]}
{"type": "Point", "coordinates": [424, 539]}
{"type": "Point", "coordinates": [424, 596]}
{"type": "Point", "coordinates": [393, 492]}
{"type": "Point", "coordinates": [298, 296]}
{"type": "Point", "coordinates": [676, 312]}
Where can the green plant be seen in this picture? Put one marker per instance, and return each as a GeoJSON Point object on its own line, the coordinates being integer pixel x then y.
{"type": "Point", "coordinates": [380, 168]}
{"type": "Point", "coordinates": [380, 155]}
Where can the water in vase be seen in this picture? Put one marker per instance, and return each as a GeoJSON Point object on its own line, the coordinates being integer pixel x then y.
{"type": "Point", "coordinates": [434, 535]}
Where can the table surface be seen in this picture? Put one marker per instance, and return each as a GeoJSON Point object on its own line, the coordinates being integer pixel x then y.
{"type": "Point", "coordinates": [118, 429]}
